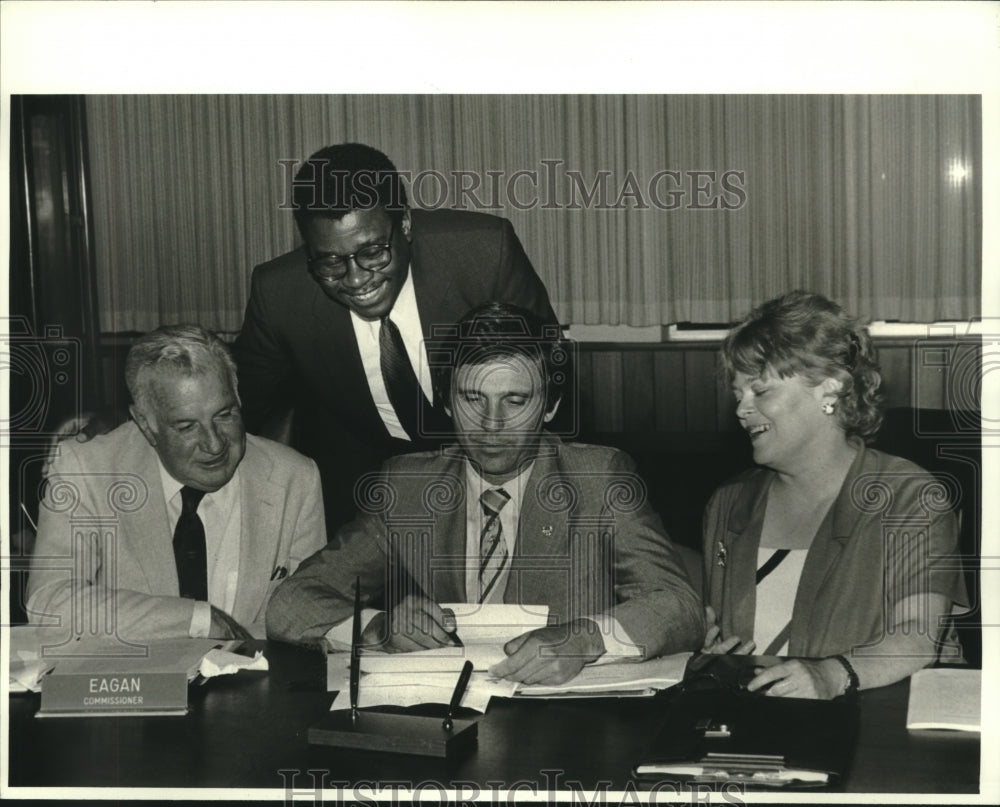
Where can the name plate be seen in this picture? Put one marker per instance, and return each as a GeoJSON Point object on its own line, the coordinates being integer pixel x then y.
{"type": "Point", "coordinates": [133, 692]}
{"type": "Point", "coordinates": [153, 684]}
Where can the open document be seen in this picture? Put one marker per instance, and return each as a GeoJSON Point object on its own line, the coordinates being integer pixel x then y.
{"type": "Point", "coordinates": [428, 676]}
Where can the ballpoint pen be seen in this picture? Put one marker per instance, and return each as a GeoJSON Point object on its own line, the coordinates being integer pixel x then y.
{"type": "Point", "coordinates": [356, 650]}
{"type": "Point", "coordinates": [407, 582]}
{"type": "Point", "coordinates": [451, 627]}
{"type": "Point", "coordinates": [456, 696]}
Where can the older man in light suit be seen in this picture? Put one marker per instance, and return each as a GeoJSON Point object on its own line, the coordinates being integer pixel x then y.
{"type": "Point", "coordinates": [176, 523]}
{"type": "Point", "coordinates": [509, 515]}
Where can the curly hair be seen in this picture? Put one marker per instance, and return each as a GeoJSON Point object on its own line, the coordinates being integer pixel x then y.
{"type": "Point", "coordinates": [345, 177]}
{"type": "Point", "coordinates": [803, 333]}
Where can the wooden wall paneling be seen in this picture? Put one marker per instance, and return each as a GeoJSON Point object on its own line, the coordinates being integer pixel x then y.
{"type": "Point", "coordinates": [725, 413]}
{"type": "Point", "coordinates": [700, 393]}
{"type": "Point", "coordinates": [585, 390]}
{"type": "Point", "coordinates": [963, 385]}
{"type": "Point", "coordinates": [669, 391]}
{"type": "Point", "coordinates": [930, 373]}
{"type": "Point", "coordinates": [607, 390]}
{"type": "Point", "coordinates": [638, 391]}
{"type": "Point", "coordinates": [896, 364]}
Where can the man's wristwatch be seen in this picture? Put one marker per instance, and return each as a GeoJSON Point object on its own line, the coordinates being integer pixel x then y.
{"type": "Point", "coordinates": [853, 684]}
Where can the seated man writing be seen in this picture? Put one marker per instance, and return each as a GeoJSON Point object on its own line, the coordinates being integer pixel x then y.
{"type": "Point", "coordinates": [176, 523]}
{"type": "Point", "coordinates": [509, 515]}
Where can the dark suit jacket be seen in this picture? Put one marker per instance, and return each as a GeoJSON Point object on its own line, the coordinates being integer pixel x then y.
{"type": "Point", "coordinates": [588, 543]}
{"type": "Point", "coordinates": [104, 545]}
{"type": "Point", "coordinates": [889, 533]}
{"type": "Point", "coordinates": [297, 346]}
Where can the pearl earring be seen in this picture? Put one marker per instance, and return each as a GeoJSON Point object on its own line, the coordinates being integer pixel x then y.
{"type": "Point", "coordinates": [827, 408]}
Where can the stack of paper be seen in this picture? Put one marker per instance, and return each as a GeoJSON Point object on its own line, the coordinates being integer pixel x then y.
{"type": "Point", "coordinates": [495, 623]}
{"type": "Point", "coordinates": [616, 679]}
{"type": "Point", "coordinates": [945, 698]}
{"type": "Point", "coordinates": [429, 676]}
{"type": "Point", "coordinates": [409, 679]}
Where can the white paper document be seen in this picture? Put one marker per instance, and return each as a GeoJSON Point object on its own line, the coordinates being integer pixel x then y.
{"type": "Point", "coordinates": [439, 660]}
{"type": "Point", "coordinates": [636, 678]}
{"type": "Point", "coordinates": [944, 698]}
{"type": "Point", "coordinates": [496, 623]}
{"type": "Point", "coordinates": [429, 676]}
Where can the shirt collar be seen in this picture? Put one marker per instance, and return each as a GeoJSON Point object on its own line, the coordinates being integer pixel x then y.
{"type": "Point", "coordinates": [171, 486]}
{"type": "Point", "coordinates": [476, 485]}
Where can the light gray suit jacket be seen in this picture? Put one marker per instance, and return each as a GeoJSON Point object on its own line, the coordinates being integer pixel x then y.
{"type": "Point", "coordinates": [104, 564]}
{"type": "Point", "coordinates": [588, 544]}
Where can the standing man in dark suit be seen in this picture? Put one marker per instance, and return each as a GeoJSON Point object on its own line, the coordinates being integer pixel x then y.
{"type": "Point", "coordinates": [334, 330]}
{"type": "Point", "coordinates": [509, 515]}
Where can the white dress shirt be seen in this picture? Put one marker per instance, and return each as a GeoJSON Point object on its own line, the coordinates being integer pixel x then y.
{"type": "Point", "coordinates": [220, 513]}
{"type": "Point", "coordinates": [406, 316]}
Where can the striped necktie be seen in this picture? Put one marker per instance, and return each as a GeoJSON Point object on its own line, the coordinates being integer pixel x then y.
{"type": "Point", "coordinates": [492, 548]}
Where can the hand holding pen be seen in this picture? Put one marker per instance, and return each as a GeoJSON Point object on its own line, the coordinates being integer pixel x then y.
{"type": "Point", "coordinates": [415, 623]}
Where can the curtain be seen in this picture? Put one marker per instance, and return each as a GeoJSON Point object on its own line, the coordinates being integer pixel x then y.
{"type": "Point", "coordinates": [637, 209]}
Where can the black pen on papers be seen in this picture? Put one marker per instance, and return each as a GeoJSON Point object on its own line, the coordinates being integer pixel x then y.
{"type": "Point", "coordinates": [356, 650]}
{"type": "Point", "coordinates": [456, 696]}
{"type": "Point", "coordinates": [452, 623]}
{"type": "Point", "coordinates": [407, 582]}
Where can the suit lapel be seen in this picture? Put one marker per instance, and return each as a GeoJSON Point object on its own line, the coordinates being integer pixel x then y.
{"type": "Point", "coordinates": [338, 363]}
{"type": "Point", "coordinates": [831, 538]}
{"type": "Point", "coordinates": [146, 529]}
{"type": "Point", "coordinates": [431, 285]}
{"type": "Point", "coordinates": [448, 539]}
{"type": "Point", "coordinates": [542, 532]}
{"type": "Point", "coordinates": [740, 553]}
{"type": "Point", "coordinates": [260, 513]}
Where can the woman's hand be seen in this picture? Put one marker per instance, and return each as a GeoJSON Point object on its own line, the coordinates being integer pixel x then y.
{"type": "Point", "coordinates": [714, 644]}
{"type": "Point", "coordinates": [820, 679]}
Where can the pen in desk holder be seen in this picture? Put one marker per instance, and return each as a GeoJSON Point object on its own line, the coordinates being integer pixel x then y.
{"type": "Point", "coordinates": [456, 696]}
{"type": "Point", "coordinates": [356, 651]}
{"type": "Point", "coordinates": [394, 733]}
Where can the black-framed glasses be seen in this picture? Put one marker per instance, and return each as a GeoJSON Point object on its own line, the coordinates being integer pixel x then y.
{"type": "Point", "coordinates": [371, 258]}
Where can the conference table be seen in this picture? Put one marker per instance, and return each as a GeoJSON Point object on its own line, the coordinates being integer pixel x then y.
{"type": "Point", "coordinates": [249, 731]}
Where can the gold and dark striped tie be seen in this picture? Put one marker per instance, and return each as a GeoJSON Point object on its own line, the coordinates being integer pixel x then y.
{"type": "Point", "coordinates": [492, 548]}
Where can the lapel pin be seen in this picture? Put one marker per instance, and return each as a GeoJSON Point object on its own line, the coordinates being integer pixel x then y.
{"type": "Point", "coordinates": [721, 555]}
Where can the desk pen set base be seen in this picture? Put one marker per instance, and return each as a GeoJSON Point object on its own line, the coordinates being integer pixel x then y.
{"type": "Point", "coordinates": [394, 734]}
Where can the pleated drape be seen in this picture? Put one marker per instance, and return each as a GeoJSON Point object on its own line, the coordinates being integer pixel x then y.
{"type": "Point", "coordinates": [621, 201]}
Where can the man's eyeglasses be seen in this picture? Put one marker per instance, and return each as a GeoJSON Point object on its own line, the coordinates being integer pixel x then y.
{"type": "Point", "coordinates": [371, 258]}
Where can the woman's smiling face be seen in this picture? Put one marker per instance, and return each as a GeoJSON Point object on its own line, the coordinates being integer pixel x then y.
{"type": "Point", "coordinates": [782, 416]}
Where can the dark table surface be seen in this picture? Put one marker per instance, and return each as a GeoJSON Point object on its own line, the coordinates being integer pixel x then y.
{"type": "Point", "coordinates": [249, 731]}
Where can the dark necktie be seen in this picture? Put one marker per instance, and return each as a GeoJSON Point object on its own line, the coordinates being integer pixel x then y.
{"type": "Point", "coordinates": [492, 549]}
{"type": "Point", "coordinates": [400, 380]}
{"type": "Point", "coordinates": [189, 547]}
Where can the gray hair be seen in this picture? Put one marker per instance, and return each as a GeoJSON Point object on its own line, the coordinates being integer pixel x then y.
{"type": "Point", "coordinates": [187, 349]}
